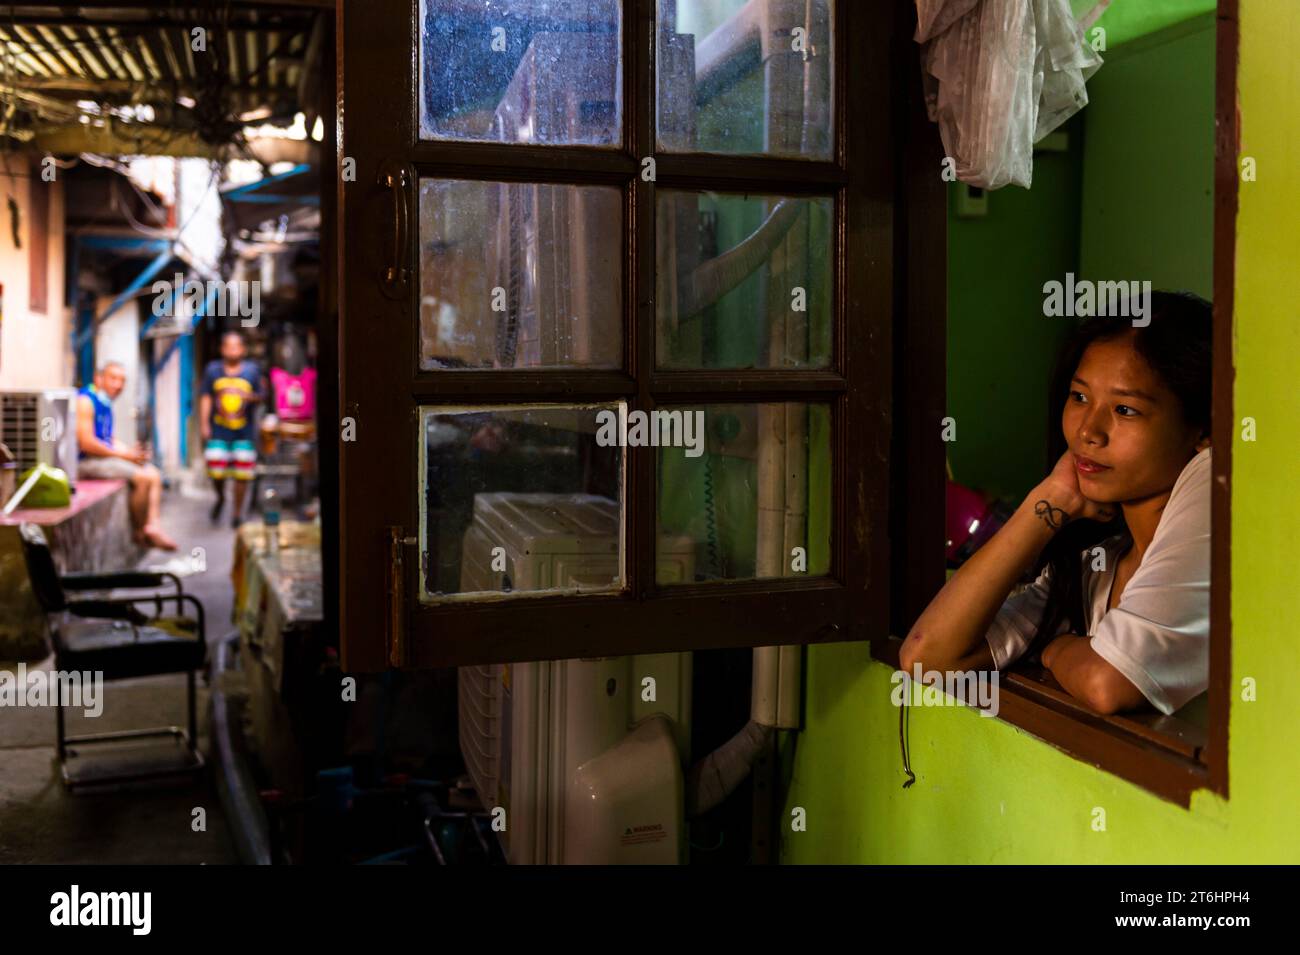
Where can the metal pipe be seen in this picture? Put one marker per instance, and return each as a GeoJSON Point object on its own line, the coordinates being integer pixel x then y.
{"type": "Point", "coordinates": [249, 825]}
{"type": "Point", "coordinates": [711, 280]}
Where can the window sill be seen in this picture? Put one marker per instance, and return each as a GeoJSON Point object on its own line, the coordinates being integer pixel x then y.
{"type": "Point", "coordinates": [1163, 754]}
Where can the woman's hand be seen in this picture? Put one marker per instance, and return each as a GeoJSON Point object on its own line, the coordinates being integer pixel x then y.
{"type": "Point", "coordinates": [1058, 499]}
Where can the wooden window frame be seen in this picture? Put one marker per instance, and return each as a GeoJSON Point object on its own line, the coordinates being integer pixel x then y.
{"type": "Point", "coordinates": [378, 123]}
{"type": "Point", "coordinates": [1163, 754]}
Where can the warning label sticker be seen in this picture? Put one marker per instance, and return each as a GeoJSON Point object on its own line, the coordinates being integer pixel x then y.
{"type": "Point", "coordinates": [637, 835]}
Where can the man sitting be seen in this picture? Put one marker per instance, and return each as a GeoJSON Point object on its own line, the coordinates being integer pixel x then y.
{"type": "Point", "coordinates": [104, 457]}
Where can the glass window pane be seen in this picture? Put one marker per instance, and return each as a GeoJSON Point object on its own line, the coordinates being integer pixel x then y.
{"type": "Point", "coordinates": [744, 76]}
{"type": "Point", "coordinates": [519, 500]}
{"type": "Point", "coordinates": [546, 72]}
{"type": "Point", "coordinates": [520, 275]}
{"type": "Point", "coordinates": [753, 501]}
{"type": "Point", "coordinates": [743, 281]}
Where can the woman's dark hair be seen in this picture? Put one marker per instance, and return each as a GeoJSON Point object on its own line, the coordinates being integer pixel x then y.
{"type": "Point", "coordinates": [1176, 345]}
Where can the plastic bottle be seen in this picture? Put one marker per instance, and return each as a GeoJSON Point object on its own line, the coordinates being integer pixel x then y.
{"type": "Point", "coordinates": [271, 521]}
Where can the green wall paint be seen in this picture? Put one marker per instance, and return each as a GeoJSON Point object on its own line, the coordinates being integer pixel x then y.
{"type": "Point", "coordinates": [987, 792]}
{"type": "Point", "coordinates": [1125, 20]}
{"type": "Point", "coordinates": [1000, 347]}
{"type": "Point", "coordinates": [1149, 165]}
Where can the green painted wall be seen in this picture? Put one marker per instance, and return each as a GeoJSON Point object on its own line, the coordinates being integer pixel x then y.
{"type": "Point", "coordinates": [985, 791]}
{"type": "Point", "coordinates": [1125, 20]}
{"type": "Point", "coordinates": [1000, 347]}
{"type": "Point", "coordinates": [1149, 162]}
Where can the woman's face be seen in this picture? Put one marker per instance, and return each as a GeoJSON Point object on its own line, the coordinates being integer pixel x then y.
{"type": "Point", "coordinates": [1124, 427]}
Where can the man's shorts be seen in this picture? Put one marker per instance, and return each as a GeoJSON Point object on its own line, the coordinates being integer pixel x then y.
{"type": "Point", "coordinates": [230, 454]}
{"type": "Point", "coordinates": [103, 468]}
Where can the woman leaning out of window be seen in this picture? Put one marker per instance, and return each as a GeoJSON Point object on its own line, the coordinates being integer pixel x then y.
{"type": "Point", "coordinates": [1120, 612]}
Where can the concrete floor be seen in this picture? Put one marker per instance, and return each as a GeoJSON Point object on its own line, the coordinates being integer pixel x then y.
{"type": "Point", "coordinates": [41, 822]}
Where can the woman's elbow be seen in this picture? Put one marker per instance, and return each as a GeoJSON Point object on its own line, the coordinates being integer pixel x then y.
{"type": "Point", "coordinates": [1111, 693]}
{"type": "Point", "coordinates": [919, 651]}
{"type": "Point", "coordinates": [1101, 702]}
{"type": "Point", "coordinates": [909, 654]}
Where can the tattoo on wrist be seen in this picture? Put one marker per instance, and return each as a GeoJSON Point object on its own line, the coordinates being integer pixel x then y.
{"type": "Point", "coordinates": [1054, 517]}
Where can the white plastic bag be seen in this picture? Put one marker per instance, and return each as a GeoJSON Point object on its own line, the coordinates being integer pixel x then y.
{"type": "Point", "coordinates": [984, 96]}
{"type": "Point", "coordinates": [1065, 62]}
{"type": "Point", "coordinates": [1000, 77]}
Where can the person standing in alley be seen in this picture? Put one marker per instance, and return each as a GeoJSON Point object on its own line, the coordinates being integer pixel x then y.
{"type": "Point", "coordinates": [232, 389]}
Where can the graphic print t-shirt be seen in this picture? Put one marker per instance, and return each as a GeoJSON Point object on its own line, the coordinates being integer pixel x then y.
{"type": "Point", "coordinates": [295, 395]}
{"type": "Point", "coordinates": [233, 396]}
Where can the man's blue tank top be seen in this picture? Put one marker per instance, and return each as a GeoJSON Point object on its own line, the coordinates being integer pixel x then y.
{"type": "Point", "coordinates": [103, 414]}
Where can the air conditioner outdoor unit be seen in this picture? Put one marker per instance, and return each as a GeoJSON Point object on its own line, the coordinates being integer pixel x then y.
{"type": "Point", "coordinates": [587, 769]}
{"type": "Point", "coordinates": [41, 427]}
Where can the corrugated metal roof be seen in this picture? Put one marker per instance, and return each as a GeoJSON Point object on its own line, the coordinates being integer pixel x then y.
{"type": "Point", "coordinates": [248, 59]}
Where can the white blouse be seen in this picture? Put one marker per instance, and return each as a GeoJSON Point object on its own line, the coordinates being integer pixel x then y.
{"type": "Point", "coordinates": [1158, 635]}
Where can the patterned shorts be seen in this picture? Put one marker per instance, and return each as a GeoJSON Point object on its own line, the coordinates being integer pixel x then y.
{"type": "Point", "coordinates": [234, 459]}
